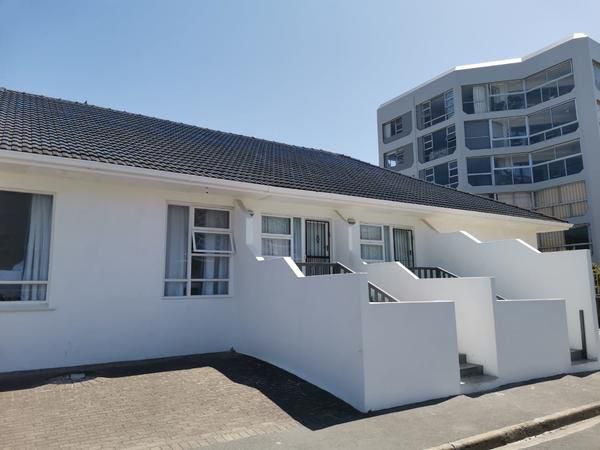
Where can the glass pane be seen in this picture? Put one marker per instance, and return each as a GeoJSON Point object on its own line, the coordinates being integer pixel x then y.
{"type": "Point", "coordinates": [557, 169]}
{"type": "Point", "coordinates": [210, 267]}
{"type": "Point", "coordinates": [210, 288]}
{"type": "Point", "coordinates": [539, 121]}
{"type": "Point", "coordinates": [540, 173]}
{"type": "Point", "coordinates": [559, 70]}
{"type": "Point", "coordinates": [480, 180]}
{"type": "Point", "coordinates": [535, 80]}
{"type": "Point", "coordinates": [14, 227]}
{"type": "Point", "coordinates": [520, 160]}
{"type": "Point", "coordinates": [534, 98]}
{"type": "Point", "coordinates": [177, 242]}
{"type": "Point", "coordinates": [566, 85]}
{"type": "Point", "coordinates": [387, 130]}
{"type": "Point", "coordinates": [276, 225]}
{"type": "Point", "coordinates": [371, 233]}
{"type": "Point", "coordinates": [500, 128]}
{"type": "Point", "coordinates": [522, 175]}
{"type": "Point", "coordinates": [477, 134]}
{"type": "Point", "coordinates": [211, 218]}
{"type": "Point", "coordinates": [514, 86]}
{"type": "Point", "coordinates": [518, 127]}
{"type": "Point", "coordinates": [18, 292]}
{"type": "Point", "coordinates": [516, 101]}
{"type": "Point", "coordinates": [276, 247]}
{"type": "Point", "coordinates": [549, 92]}
{"type": "Point", "coordinates": [212, 242]}
{"type": "Point", "coordinates": [562, 114]}
{"type": "Point", "coordinates": [572, 148]}
{"type": "Point", "coordinates": [370, 252]}
{"type": "Point", "coordinates": [502, 161]}
{"type": "Point", "coordinates": [503, 176]}
{"type": "Point", "coordinates": [175, 289]}
{"type": "Point", "coordinates": [297, 238]}
{"type": "Point", "coordinates": [543, 156]}
{"type": "Point", "coordinates": [479, 165]}
{"type": "Point", "coordinates": [574, 165]}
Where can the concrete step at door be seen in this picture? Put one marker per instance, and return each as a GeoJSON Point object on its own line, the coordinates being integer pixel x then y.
{"type": "Point", "coordinates": [467, 369]}
{"type": "Point", "coordinates": [576, 355]}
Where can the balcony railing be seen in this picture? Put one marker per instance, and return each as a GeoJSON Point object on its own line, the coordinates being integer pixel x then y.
{"type": "Point", "coordinates": [310, 269]}
{"type": "Point", "coordinates": [431, 272]}
{"type": "Point", "coordinates": [378, 295]}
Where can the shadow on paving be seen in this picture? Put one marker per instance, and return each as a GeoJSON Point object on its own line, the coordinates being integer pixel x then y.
{"type": "Point", "coordinates": [309, 405]}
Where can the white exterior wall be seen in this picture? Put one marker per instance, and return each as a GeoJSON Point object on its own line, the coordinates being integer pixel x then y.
{"type": "Point", "coordinates": [582, 51]}
{"type": "Point", "coordinates": [522, 272]}
{"type": "Point", "coordinates": [105, 297]}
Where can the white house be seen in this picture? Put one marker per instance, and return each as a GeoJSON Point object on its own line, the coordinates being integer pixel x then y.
{"type": "Point", "coordinates": [124, 237]}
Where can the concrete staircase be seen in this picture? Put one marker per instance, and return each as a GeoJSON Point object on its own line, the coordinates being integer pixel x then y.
{"type": "Point", "coordinates": [577, 356]}
{"type": "Point", "coordinates": [467, 369]}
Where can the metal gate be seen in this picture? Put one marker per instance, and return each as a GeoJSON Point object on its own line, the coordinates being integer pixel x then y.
{"type": "Point", "coordinates": [317, 246]}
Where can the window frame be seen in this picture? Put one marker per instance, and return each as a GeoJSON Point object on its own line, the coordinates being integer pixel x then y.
{"type": "Point", "coordinates": [449, 110]}
{"type": "Point", "coordinates": [372, 242]}
{"type": "Point", "coordinates": [33, 305]}
{"type": "Point", "coordinates": [396, 127]}
{"type": "Point", "coordinates": [428, 174]}
{"type": "Point", "coordinates": [277, 236]}
{"type": "Point", "coordinates": [191, 253]}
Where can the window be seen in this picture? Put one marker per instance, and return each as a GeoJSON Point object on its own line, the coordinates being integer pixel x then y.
{"type": "Point", "coordinates": [394, 158]}
{"type": "Point", "coordinates": [519, 94]}
{"type": "Point", "coordinates": [549, 83]}
{"type": "Point", "coordinates": [596, 65]}
{"type": "Point", "coordinates": [509, 132]}
{"type": "Point", "coordinates": [438, 144]}
{"type": "Point", "coordinates": [479, 171]}
{"type": "Point", "coordinates": [520, 199]}
{"type": "Point", "coordinates": [435, 110]}
{"type": "Point", "coordinates": [477, 134]}
{"type": "Point", "coordinates": [392, 128]}
{"type": "Point", "coordinates": [442, 174]}
{"type": "Point", "coordinates": [576, 238]}
{"type": "Point", "coordinates": [524, 168]}
{"type": "Point", "coordinates": [372, 243]}
{"type": "Point", "coordinates": [199, 249]}
{"type": "Point", "coordinates": [552, 122]}
{"type": "Point", "coordinates": [25, 230]}
{"type": "Point", "coordinates": [565, 201]}
{"type": "Point", "coordinates": [276, 236]}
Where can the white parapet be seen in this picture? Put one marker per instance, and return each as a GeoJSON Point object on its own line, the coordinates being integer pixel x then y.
{"type": "Point", "coordinates": [522, 272]}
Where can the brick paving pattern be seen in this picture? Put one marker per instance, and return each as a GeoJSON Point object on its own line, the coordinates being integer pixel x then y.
{"type": "Point", "coordinates": [187, 403]}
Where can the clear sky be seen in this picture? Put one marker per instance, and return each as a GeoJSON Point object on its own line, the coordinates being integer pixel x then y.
{"type": "Point", "coordinates": [309, 72]}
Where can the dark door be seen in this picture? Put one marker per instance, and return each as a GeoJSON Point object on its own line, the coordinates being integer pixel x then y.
{"type": "Point", "coordinates": [403, 247]}
{"type": "Point", "coordinates": [317, 245]}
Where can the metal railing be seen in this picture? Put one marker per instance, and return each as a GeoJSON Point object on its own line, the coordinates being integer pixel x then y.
{"type": "Point", "coordinates": [378, 295]}
{"type": "Point", "coordinates": [431, 272]}
{"type": "Point", "coordinates": [310, 269]}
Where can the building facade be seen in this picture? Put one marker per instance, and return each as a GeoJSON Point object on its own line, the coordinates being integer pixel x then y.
{"type": "Point", "coordinates": [524, 131]}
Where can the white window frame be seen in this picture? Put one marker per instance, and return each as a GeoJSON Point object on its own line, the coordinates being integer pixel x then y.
{"type": "Point", "coordinates": [372, 242]}
{"type": "Point", "coordinates": [191, 252]}
{"type": "Point", "coordinates": [276, 236]}
{"type": "Point", "coordinates": [29, 305]}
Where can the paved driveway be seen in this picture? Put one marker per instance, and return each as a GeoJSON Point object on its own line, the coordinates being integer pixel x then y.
{"type": "Point", "coordinates": [184, 403]}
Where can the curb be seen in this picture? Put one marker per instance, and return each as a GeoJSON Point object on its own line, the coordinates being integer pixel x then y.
{"type": "Point", "coordinates": [514, 433]}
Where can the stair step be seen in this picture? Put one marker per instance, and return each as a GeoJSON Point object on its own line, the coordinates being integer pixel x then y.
{"type": "Point", "coordinates": [470, 370]}
{"type": "Point", "coordinates": [576, 355]}
{"type": "Point", "coordinates": [462, 358]}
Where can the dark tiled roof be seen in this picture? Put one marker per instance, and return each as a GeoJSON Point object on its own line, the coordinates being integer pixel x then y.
{"type": "Point", "coordinates": [48, 126]}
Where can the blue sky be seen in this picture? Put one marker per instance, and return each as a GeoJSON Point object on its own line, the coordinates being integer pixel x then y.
{"type": "Point", "coordinates": [307, 72]}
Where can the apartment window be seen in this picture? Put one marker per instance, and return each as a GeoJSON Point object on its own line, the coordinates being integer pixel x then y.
{"type": "Point", "coordinates": [396, 159]}
{"type": "Point", "coordinates": [199, 249]}
{"type": "Point", "coordinates": [479, 171]}
{"type": "Point", "coordinates": [525, 168]}
{"type": "Point", "coordinates": [552, 122]}
{"type": "Point", "coordinates": [442, 174]}
{"type": "Point", "coordinates": [519, 94]}
{"type": "Point", "coordinates": [576, 238]}
{"type": "Point", "coordinates": [438, 144]}
{"type": "Point", "coordinates": [596, 65]}
{"type": "Point", "coordinates": [520, 199]}
{"type": "Point", "coordinates": [509, 132]}
{"type": "Point", "coordinates": [477, 134]}
{"type": "Point", "coordinates": [276, 236]}
{"type": "Point", "coordinates": [25, 230]}
{"type": "Point", "coordinates": [372, 245]}
{"type": "Point", "coordinates": [550, 83]}
{"type": "Point", "coordinates": [565, 201]}
{"type": "Point", "coordinates": [435, 110]}
{"type": "Point", "coordinates": [392, 128]}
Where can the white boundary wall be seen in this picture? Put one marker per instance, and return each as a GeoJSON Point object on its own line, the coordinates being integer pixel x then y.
{"type": "Point", "coordinates": [513, 339]}
{"type": "Point", "coordinates": [522, 272]}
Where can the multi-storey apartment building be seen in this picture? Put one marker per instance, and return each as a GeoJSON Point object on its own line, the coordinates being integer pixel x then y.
{"type": "Point", "coordinates": [525, 131]}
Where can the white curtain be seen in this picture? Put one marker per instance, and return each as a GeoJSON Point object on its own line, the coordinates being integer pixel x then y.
{"type": "Point", "coordinates": [480, 99]}
{"type": "Point", "coordinates": [208, 268]}
{"type": "Point", "coordinates": [276, 247]}
{"type": "Point", "coordinates": [177, 243]}
{"type": "Point", "coordinates": [37, 255]}
{"type": "Point", "coordinates": [276, 225]}
{"type": "Point", "coordinates": [371, 252]}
